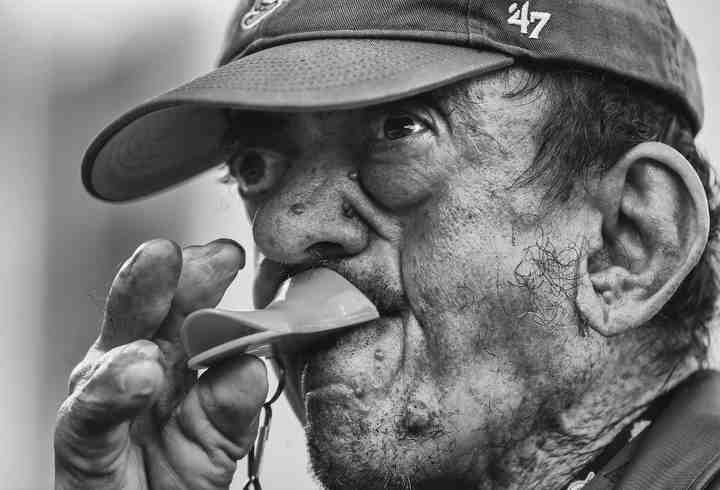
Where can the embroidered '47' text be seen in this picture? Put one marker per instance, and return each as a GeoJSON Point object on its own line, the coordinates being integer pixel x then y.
{"type": "Point", "coordinates": [521, 16]}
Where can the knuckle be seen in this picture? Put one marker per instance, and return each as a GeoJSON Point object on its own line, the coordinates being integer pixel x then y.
{"type": "Point", "coordinates": [215, 477]}
{"type": "Point", "coordinates": [224, 470]}
{"type": "Point", "coordinates": [108, 398]}
{"type": "Point", "coordinates": [115, 360]}
{"type": "Point", "coordinates": [80, 418]}
{"type": "Point", "coordinates": [239, 386]}
{"type": "Point", "coordinates": [66, 433]}
{"type": "Point", "coordinates": [143, 349]}
{"type": "Point", "coordinates": [79, 375]}
{"type": "Point", "coordinates": [222, 466]}
{"type": "Point", "coordinates": [60, 426]}
{"type": "Point", "coordinates": [216, 397]}
{"type": "Point", "coordinates": [129, 370]}
{"type": "Point", "coordinates": [91, 404]}
{"type": "Point", "coordinates": [80, 465]}
{"type": "Point", "coordinates": [84, 370]}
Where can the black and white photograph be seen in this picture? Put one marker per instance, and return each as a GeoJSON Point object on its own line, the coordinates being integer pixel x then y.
{"type": "Point", "coordinates": [360, 245]}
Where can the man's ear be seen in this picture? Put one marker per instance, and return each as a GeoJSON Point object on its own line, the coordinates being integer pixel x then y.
{"type": "Point", "coordinates": [655, 225]}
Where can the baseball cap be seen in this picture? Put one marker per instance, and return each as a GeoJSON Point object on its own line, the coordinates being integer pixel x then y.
{"type": "Point", "coordinates": [312, 55]}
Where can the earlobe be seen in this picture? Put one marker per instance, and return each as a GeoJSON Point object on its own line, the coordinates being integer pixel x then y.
{"type": "Point", "coordinates": [655, 226]}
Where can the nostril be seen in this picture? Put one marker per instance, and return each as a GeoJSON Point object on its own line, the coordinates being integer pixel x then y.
{"type": "Point", "coordinates": [326, 250]}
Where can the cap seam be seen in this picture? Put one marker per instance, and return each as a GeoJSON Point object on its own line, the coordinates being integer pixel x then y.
{"type": "Point", "coordinates": [467, 22]}
{"type": "Point", "coordinates": [260, 44]}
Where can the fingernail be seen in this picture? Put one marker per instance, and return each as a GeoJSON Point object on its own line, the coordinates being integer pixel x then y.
{"type": "Point", "coordinates": [228, 251]}
{"type": "Point", "coordinates": [158, 247]}
{"type": "Point", "coordinates": [219, 245]}
{"type": "Point", "coordinates": [130, 262]}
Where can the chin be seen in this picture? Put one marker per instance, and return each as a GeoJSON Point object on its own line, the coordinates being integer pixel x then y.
{"type": "Point", "coordinates": [373, 419]}
{"type": "Point", "coordinates": [346, 457]}
{"type": "Point", "coordinates": [345, 454]}
{"type": "Point", "coordinates": [353, 393]}
{"type": "Point", "coordinates": [360, 442]}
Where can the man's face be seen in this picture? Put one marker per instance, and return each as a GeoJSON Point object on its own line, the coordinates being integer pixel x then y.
{"type": "Point", "coordinates": [478, 354]}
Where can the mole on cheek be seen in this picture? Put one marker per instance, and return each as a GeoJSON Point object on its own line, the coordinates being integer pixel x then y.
{"type": "Point", "coordinates": [419, 418]}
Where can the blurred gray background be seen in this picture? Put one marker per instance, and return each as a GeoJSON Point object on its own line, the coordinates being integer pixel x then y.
{"type": "Point", "coordinates": [69, 67]}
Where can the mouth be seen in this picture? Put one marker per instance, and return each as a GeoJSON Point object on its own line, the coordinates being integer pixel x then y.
{"type": "Point", "coordinates": [356, 368]}
{"type": "Point", "coordinates": [388, 298]}
{"type": "Point", "coordinates": [345, 364]}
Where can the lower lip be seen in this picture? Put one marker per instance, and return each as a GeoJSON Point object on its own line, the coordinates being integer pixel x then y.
{"type": "Point", "coordinates": [344, 388]}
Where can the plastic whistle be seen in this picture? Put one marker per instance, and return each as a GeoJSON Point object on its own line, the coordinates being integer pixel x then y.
{"type": "Point", "coordinates": [308, 306]}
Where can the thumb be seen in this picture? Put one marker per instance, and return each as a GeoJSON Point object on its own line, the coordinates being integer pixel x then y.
{"type": "Point", "coordinates": [93, 426]}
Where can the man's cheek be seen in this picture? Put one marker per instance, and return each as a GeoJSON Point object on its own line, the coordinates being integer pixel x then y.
{"type": "Point", "coordinates": [456, 280]}
{"type": "Point", "coordinates": [440, 260]}
{"type": "Point", "coordinates": [498, 300]}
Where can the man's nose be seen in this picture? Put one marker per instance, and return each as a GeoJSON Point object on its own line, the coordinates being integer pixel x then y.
{"type": "Point", "coordinates": [312, 216]}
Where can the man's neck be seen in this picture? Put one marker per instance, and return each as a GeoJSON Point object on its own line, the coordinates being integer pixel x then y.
{"type": "Point", "coordinates": [600, 422]}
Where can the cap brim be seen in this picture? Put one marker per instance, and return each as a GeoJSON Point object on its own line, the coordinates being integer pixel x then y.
{"type": "Point", "coordinates": [184, 132]}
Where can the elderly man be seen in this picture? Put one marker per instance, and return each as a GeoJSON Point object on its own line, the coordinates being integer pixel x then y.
{"type": "Point", "coordinates": [516, 188]}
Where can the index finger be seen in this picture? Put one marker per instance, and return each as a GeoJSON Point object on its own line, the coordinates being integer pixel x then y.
{"type": "Point", "coordinates": [141, 294]}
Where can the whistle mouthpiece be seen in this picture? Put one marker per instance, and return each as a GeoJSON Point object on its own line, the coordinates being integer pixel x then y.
{"type": "Point", "coordinates": [307, 308]}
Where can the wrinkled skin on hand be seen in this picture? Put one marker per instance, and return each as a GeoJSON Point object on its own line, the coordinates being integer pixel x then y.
{"type": "Point", "coordinates": [136, 417]}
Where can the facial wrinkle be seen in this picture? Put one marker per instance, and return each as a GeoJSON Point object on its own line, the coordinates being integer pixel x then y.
{"type": "Point", "coordinates": [379, 221]}
{"type": "Point", "coordinates": [484, 143]}
{"type": "Point", "coordinates": [426, 340]}
{"type": "Point", "coordinates": [421, 404]}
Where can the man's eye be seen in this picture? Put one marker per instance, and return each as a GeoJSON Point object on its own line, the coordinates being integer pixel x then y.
{"type": "Point", "coordinates": [398, 126]}
{"type": "Point", "coordinates": [255, 171]}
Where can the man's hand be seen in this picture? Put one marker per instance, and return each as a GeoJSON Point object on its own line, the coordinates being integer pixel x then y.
{"type": "Point", "coordinates": [136, 417]}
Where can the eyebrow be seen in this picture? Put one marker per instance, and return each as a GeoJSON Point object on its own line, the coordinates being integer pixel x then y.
{"type": "Point", "coordinates": [252, 127]}
{"type": "Point", "coordinates": [433, 99]}
{"type": "Point", "coordinates": [244, 125]}
{"type": "Point", "coordinates": [242, 119]}
{"type": "Point", "coordinates": [436, 100]}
